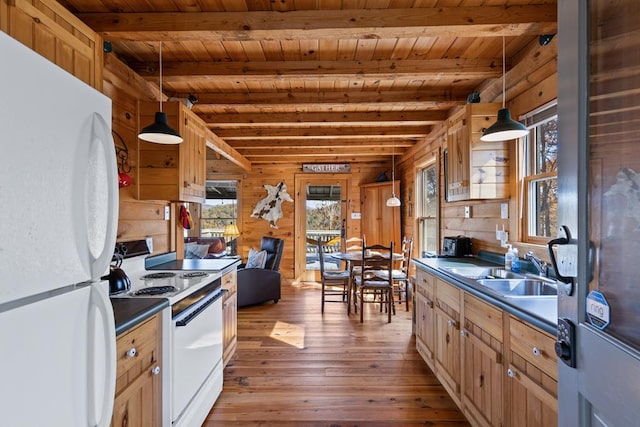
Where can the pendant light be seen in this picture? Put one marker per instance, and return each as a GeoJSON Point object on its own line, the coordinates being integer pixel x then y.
{"type": "Point", "coordinates": [504, 128]}
{"type": "Point", "coordinates": [393, 201]}
{"type": "Point", "coordinates": [159, 131]}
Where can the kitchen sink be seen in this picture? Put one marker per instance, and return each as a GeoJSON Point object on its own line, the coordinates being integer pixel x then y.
{"type": "Point", "coordinates": [523, 287]}
{"type": "Point", "coordinates": [483, 273]}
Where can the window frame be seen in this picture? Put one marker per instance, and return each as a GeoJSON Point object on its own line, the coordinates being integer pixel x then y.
{"type": "Point", "coordinates": [227, 220]}
{"type": "Point", "coordinates": [533, 121]}
{"type": "Point", "coordinates": [420, 208]}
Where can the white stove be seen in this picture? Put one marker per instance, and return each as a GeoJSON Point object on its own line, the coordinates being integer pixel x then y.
{"type": "Point", "coordinates": [173, 285]}
{"type": "Point", "coordinates": [192, 335]}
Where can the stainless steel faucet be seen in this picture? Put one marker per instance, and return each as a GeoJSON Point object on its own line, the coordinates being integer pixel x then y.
{"type": "Point", "coordinates": [541, 265]}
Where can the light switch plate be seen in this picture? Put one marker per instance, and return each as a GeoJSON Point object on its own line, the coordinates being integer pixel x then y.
{"type": "Point", "coordinates": [167, 213]}
{"type": "Point", "coordinates": [355, 215]}
{"type": "Point", "coordinates": [504, 211]}
{"type": "Point", "coordinates": [467, 211]}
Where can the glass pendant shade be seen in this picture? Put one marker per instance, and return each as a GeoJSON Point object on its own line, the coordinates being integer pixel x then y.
{"type": "Point", "coordinates": [393, 201]}
{"type": "Point", "coordinates": [160, 132]}
{"type": "Point", "coordinates": [504, 128]}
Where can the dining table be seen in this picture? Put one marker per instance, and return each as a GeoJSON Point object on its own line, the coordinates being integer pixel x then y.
{"type": "Point", "coordinates": [353, 259]}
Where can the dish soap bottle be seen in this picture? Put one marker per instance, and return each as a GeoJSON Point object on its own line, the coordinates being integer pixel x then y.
{"type": "Point", "coordinates": [515, 263]}
{"type": "Point", "coordinates": [508, 258]}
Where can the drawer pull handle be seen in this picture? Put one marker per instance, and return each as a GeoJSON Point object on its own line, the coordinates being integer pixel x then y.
{"type": "Point", "coordinates": [537, 352]}
{"type": "Point", "coordinates": [155, 370]}
{"type": "Point", "coordinates": [463, 333]}
{"type": "Point", "coordinates": [132, 352]}
{"type": "Point", "coordinates": [511, 373]}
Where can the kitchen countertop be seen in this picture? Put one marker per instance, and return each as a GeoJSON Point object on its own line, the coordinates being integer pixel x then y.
{"type": "Point", "coordinates": [129, 312]}
{"type": "Point", "coordinates": [540, 312]}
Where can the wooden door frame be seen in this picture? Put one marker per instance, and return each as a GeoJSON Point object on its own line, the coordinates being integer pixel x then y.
{"type": "Point", "coordinates": [300, 182]}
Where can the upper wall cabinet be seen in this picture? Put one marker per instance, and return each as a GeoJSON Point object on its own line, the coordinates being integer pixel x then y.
{"type": "Point", "coordinates": [380, 223]}
{"type": "Point", "coordinates": [52, 31]}
{"type": "Point", "coordinates": [173, 172]}
{"type": "Point", "coordinates": [475, 169]}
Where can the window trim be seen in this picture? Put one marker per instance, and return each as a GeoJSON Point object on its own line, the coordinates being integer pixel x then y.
{"type": "Point", "coordinates": [420, 214]}
{"type": "Point", "coordinates": [533, 119]}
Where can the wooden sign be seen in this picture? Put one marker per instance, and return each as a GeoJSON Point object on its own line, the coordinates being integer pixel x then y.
{"type": "Point", "coordinates": [326, 168]}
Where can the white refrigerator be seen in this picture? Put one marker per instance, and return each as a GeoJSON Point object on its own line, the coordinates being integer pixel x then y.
{"type": "Point", "coordinates": [59, 201]}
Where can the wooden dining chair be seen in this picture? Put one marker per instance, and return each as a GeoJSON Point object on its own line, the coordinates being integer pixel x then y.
{"type": "Point", "coordinates": [400, 276]}
{"type": "Point", "coordinates": [369, 287]}
{"type": "Point", "coordinates": [334, 282]}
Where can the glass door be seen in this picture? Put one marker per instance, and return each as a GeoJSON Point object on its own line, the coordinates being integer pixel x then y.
{"type": "Point", "coordinates": [599, 204]}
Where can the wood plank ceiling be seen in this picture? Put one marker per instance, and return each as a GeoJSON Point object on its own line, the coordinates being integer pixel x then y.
{"type": "Point", "coordinates": [319, 80]}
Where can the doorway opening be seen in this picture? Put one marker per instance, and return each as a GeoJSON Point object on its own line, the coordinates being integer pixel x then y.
{"type": "Point", "coordinates": [323, 212]}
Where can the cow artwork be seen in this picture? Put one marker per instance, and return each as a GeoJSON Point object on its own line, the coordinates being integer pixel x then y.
{"type": "Point", "coordinates": [270, 208]}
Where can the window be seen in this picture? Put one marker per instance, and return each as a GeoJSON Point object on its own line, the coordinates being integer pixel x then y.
{"type": "Point", "coordinates": [428, 209]}
{"type": "Point", "coordinates": [540, 214]}
{"type": "Point", "coordinates": [220, 207]}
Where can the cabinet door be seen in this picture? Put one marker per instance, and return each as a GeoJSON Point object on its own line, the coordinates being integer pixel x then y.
{"type": "Point", "coordinates": [483, 369]}
{"type": "Point", "coordinates": [193, 159]}
{"type": "Point", "coordinates": [532, 374]}
{"type": "Point", "coordinates": [425, 320]}
{"type": "Point", "coordinates": [138, 400]}
{"type": "Point", "coordinates": [458, 168]}
{"type": "Point", "coordinates": [447, 325]}
{"type": "Point", "coordinates": [229, 316]}
{"type": "Point", "coordinates": [55, 33]}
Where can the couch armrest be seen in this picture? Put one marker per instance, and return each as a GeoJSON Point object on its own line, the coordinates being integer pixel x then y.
{"type": "Point", "coordinates": [257, 285]}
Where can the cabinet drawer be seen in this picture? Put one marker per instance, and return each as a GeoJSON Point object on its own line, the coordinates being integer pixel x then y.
{"type": "Point", "coordinates": [535, 346]}
{"type": "Point", "coordinates": [425, 283]}
{"type": "Point", "coordinates": [484, 315]}
{"type": "Point", "coordinates": [229, 282]}
{"type": "Point", "coordinates": [448, 294]}
{"type": "Point", "coordinates": [138, 346]}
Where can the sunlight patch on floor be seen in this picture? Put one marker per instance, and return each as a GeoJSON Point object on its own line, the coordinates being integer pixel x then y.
{"type": "Point", "coordinates": [289, 333]}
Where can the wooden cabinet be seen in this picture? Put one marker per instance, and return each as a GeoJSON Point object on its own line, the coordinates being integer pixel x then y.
{"type": "Point", "coordinates": [475, 169]}
{"type": "Point", "coordinates": [229, 316]}
{"type": "Point", "coordinates": [447, 337]}
{"type": "Point", "coordinates": [482, 363]}
{"type": "Point", "coordinates": [500, 370]}
{"type": "Point", "coordinates": [173, 172]}
{"type": "Point", "coordinates": [425, 316]}
{"type": "Point", "coordinates": [532, 384]}
{"type": "Point", "coordinates": [380, 223]}
{"type": "Point", "coordinates": [55, 33]}
{"type": "Point", "coordinates": [138, 400]}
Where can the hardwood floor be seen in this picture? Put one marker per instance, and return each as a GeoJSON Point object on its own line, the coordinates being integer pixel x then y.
{"type": "Point", "coordinates": [297, 367]}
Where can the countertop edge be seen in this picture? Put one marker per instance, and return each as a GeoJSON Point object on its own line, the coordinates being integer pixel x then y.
{"type": "Point", "coordinates": [129, 312]}
{"type": "Point", "coordinates": [537, 321]}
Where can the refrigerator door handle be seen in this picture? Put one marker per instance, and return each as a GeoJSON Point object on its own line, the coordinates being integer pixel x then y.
{"type": "Point", "coordinates": [101, 305]}
{"type": "Point", "coordinates": [101, 255]}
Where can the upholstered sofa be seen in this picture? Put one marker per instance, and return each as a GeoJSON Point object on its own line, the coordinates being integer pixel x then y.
{"type": "Point", "coordinates": [259, 285]}
{"type": "Point", "coordinates": [216, 247]}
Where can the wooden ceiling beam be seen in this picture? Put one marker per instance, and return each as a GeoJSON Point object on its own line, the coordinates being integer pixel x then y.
{"type": "Point", "coordinates": [473, 21]}
{"type": "Point", "coordinates": [252, 154]}
{"type": "Point", "coordinates": [379, 118]}
{"type": "Point", "coordinates": [324, 143]}
{"type": "Point", "coordinates": [323, 132]}
{"type": "Point", "coordinates": [433, 96]}
{"type": "Point", "coordinates": [267, 71]}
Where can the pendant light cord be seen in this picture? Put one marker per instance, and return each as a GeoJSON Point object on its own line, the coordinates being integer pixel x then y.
{"type": "Point", "coordinates": [161, 76]}
{"type": "Point", "coordinates": [504, 74]}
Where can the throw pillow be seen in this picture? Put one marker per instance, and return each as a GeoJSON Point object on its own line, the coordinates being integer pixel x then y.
{"type": "Point", "coordinates": [196, 251]}
{"type": "Point", "coordinates": [257, 259]}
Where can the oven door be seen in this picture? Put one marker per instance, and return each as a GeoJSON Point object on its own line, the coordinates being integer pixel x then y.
{"type": "Point", "coordinates": [196, 344]}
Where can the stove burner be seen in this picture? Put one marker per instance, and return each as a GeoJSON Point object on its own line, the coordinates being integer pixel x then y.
{"type": "Point", "coordinates": [163, 275]}
{"type": "Point", "coordinates": [155, 290]}
{"type": "Point", "coordinates": [193, 274]}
